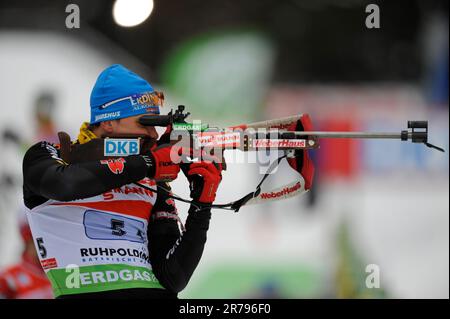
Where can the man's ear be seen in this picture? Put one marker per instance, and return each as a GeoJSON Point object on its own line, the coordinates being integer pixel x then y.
{"type": "Point", "coordinates": [107, 126]}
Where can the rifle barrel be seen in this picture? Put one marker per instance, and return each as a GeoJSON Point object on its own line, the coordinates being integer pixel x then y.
{"type": "Point", "coordinates": [379, 135]}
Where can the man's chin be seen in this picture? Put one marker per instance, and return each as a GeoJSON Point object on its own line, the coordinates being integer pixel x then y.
{"type": "Point", "coordinates": [127, 135]}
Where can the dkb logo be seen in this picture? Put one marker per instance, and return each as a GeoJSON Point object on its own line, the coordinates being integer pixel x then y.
{"type": "Point", "coordinates": [121, 147]}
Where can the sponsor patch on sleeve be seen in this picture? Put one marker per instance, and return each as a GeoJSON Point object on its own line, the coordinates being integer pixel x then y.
{"type": "Point", "coordinates": [115, 165]}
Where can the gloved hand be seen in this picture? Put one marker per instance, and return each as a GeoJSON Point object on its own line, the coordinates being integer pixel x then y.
{"type": "Point", "coordinates": [302, 162]}
{"type": "Point", "coordinates": [162, 163]}
{"type": "Point", "coordinates": [204, 178]}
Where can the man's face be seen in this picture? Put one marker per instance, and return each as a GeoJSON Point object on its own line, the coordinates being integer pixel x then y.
{"type": "Point", "coordinates": [130, 125]}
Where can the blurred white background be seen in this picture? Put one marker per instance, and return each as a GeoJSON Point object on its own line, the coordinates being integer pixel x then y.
{"type": "Point", "coordinates": [374, 202]}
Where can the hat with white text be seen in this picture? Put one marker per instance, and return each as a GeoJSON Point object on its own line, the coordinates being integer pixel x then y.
{"type": "Point", "coordinates": [120, 93]}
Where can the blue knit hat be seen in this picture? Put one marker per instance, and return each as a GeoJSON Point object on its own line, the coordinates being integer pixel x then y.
{"type": "Point", "coordinates": [120, 93]}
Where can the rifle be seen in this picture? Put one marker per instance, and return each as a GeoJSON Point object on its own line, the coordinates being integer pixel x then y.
{"type": "Point", "coordinates": [267, 135]}
{"type": "Point", "coordinates": [247, 137]}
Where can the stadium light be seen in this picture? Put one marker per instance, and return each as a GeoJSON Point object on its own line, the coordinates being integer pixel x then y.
{"type": "Point", "coordinates": [130, 13]}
